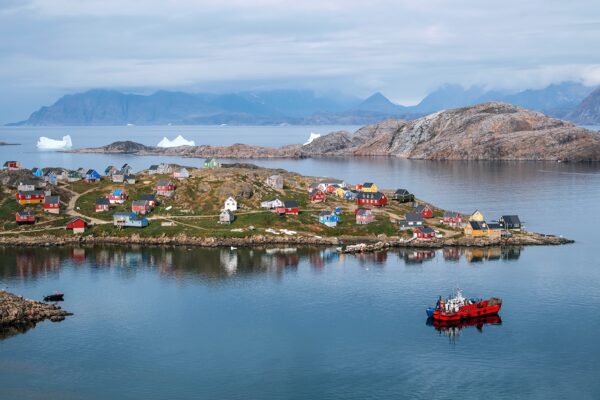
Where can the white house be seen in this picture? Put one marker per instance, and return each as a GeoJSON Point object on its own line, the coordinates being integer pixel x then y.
{"type": "Point", "coordinates": [271, 204]}
{"type": "Point", "coordinates": [182, 173]}
{"type": "Point", "coordinates": [230, 204]}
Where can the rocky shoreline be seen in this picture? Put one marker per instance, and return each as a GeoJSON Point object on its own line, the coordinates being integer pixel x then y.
{"type": "Point", "coordinates": [374, 242]}
{"type": "Point", "coordinates": [18, 314]}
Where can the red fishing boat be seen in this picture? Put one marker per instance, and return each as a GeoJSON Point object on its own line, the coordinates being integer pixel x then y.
{"type": "Point", "coordinates": [457, 308]}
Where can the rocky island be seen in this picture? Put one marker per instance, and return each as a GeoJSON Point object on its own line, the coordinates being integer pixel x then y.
{"type": "Point", "coordinates": [234, 205]}
{"type": "Point", "coordinates": [18, 314]}
{"type": "Point", "coordinates": [487, 131]}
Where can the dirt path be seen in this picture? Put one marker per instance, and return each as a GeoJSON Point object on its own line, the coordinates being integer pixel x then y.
{"type": "Point", "coordinates": [73, 201]}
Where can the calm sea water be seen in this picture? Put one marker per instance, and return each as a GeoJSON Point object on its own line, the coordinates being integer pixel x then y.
{"type": "Point", "coordinates": [177, 323]}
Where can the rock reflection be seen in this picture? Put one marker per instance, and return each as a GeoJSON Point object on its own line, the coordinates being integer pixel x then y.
{"type": "Point", "coordinates": [416, 256]}
{"type": "Point", "coordinates": [453, 329]}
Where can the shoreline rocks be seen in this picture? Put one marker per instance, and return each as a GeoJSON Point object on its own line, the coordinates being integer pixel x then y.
{"type": "Point", "coordinates": [18, 314]}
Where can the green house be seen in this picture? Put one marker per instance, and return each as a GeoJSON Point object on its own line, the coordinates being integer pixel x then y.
{"type": "Point", "coordinates": [212, 163]}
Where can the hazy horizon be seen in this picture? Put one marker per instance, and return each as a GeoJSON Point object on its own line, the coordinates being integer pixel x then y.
{"type": "Point", "coordinates": [402, 49]}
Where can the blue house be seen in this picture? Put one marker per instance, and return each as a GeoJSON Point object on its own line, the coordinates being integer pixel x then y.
{"type": "Point", "coordinates": [51, 178]}
{"type": "Point", "coordinates": [92, 176]}
{"type": "Point", "coordinates": [329, 218]}
{"type": "Point", "coordinates": [37, 172]}
{"type": "Point", "coordinates": [350, 194]}
{"type": "Point", "coordinates": [132, 220]}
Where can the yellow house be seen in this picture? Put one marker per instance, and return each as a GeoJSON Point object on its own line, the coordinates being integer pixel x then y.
{"type": "Point", "coordinates": [476, 229]}
{"type": "Point", "coordinates": [369, 187]}
{"type": "Point", "coordinates": [477, 216]}
{"type": "Point", "coordinates": [340, 192]}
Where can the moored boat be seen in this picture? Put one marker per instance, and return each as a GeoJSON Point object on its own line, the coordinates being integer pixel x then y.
{"type": "Point", "coordinates": [457, 308]}
{"type": "Point", "coordinates": [56, 296]}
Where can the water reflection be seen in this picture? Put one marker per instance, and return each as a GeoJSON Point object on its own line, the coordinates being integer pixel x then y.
{"type": "Point", "coordinates": [221, 263]}
{"type": "Point", "coordinates": [453, 329]}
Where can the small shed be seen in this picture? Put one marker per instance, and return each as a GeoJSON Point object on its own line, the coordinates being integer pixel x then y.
{"type": "Point", "coordinates": [226, 217]}
{"type": "Point", "coordinates": [78, 225]}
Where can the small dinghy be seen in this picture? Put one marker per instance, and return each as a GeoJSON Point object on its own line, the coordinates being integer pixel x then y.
{"type": "Point", "coordinates": [56, 296]}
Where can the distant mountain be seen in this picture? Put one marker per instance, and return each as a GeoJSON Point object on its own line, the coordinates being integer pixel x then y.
{"type": "Point", "coordinates": [556, 100]}
{"type": "Point", "coordinates": [109, 107]}
{"type": "Point", "coordinates": [588, 111]}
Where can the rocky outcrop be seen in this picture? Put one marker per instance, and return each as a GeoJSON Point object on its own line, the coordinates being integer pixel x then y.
{"type": "Point", "coordinates": [18, 314]}
{"type": "Point", "coordinates": [588, 111]}
{"type": "Point", "coordinates": [487, 131]}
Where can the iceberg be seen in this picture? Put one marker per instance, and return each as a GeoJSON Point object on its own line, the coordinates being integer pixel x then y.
{"type": "Point", "coordinates": [312, 137]}
{"type": "Point", "coordinates": [45, 143]}
{"type": "Point", "coordinates": [178, 141]}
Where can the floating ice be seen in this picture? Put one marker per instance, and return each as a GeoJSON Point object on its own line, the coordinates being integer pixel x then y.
{"type": "Point", "coordinates": [45, 143]}
{"type": "Point", "coordinates": [312, 137]}
{"type": "Point", "coordinates": [178, 141]}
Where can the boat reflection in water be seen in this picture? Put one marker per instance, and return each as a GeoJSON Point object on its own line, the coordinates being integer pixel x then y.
{"type": "Point", "coordinates": [452, 329]}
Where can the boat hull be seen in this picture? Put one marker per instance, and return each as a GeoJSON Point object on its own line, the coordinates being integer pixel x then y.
{"type": "Point", "coordinates": [467, 312]}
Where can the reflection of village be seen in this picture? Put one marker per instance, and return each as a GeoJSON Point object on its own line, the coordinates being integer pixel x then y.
{"type": "Point", "coordinates": [222, 262]}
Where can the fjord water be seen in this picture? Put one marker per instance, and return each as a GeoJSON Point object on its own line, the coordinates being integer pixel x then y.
{"type": "Point", "coordinates": [182, 323]}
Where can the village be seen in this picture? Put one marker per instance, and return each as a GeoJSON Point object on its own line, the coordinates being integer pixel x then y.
{"type": "Point", "coordinates": [228, 201]}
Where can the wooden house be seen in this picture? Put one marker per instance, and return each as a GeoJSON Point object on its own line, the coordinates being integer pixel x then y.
{"type": "Point", "coordinates": [30, 197]}
{"type": "Point", "coordinates": [351, 194]}
{"type": "Point", "coordinates": [275, 181]}
{"type": "Point", "coordinates": [153, 170]}
{"type": "Point", "coordinates": [340, 192]}
{"type": "Point", "coordinates": [52, 204]}
{"type": "Point", "coordinates": [117, 177]}
{"type": "Point", "coordinates": [378, 199]}
{"type": "Point", "coordinates": [424, 232]}
{"type": "Point", "coordinates": [117, 196]}
{"type": "Point", "coordinates": [129, 220]}
{"type": "Point", "coordinates": [25, 186]}
{"type": "Point", "coordinates": [476, 229]}
{"type": "Point", "coordinates": [73, 176]}
{"type": "Point", "coordinates": [25, 217]}
{"type": "Point", "coordinates": [51, 177]}
{"type": "Point", "coordinates": [511, 222]}
{"type": "Point", "coordinates": [325, 183]}
{"type": "Point", "coordinates": [37, 172]}
{"type": "Point", "coordinates": [130, 179]}
{"type": "Point", "coordinates": [212, 163]}
{"type": "Point", "coordinates": [329, 218]}
{"type": "Point", "coordinates": [181, 173]}
{"type": "Point", "coordinates": [331, 189]}
{"type": "Point", "coordinates": [412, 220]}
{"type": "Point", "coordinates": [271, 204]}
{"type": "Point", "coordinates": [452, 218]}
{"type": "Point", "coordinates": [364, 216]}
{"type": "Point", "coordinates": [316, 196]}
{"type": "Point", "coordinates": [226, 217]}
{"type": "Point", "coordinates": [126, 169]}
{"type": "Point", "coordinates": [92, 175]}
{"type": "Point", "coordinates": [165, 188]}
{"type": "Point", "coordinates": [110, 170]}
{"type": "Point", "coordinates": [477, 216]}
{"type": "Point", "coordinates": [102, 204]}
{"type": "Point", "coordinates": [12, 165]}
{"type": "Point", "coordinates": [78, 225]}
{"type": "Point", "coordinates": [140, 207]}
{"type": "Point", "coordinates": [369, 187]}
{"type": "Point", "coordinates": [403, 196]}
{"type": "Point", "coordinates": [424, 210]}
{"type": "Point", "coordinates": [288, 207]}
{"type": "Point", "coordinates": [150, 198]}
{"type": "Point", "coordinates": [494, 230]}
{"type": "Point", "coordinates": [230, 204]}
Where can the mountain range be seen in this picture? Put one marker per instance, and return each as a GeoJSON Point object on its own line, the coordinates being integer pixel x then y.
{"type": "Point", "coordinates": [110, 107]}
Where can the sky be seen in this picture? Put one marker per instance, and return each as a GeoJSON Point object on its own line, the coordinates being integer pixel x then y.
{"type": "Point", "coordinates": [404, 49]}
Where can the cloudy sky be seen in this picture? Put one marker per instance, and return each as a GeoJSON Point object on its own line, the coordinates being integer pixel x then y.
{"type": "Point", "coordinates": [403, 48]}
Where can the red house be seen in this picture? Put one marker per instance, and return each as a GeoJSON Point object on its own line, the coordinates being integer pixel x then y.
{"type": "Point", "coordinates": [424, 232]}
{"type": "Point", "coordinates": [78, 225]}
{"type": "Point", "coordinates": [316, 196]}
{"type": "Point", "coordinates": [452, 218]}
{"type": "Point", "coordinates": [12, 165]}
{"type": "Point", "coordinates": [165, 188]}
{"type": "Point", "coordinates": [52, 204]}
{"type": "Point", "coordinates": [289, 207]}
{"type": "Point", "coordinates": [25, 217]}
{"type": "Point", "coordinates": [425, 211]}
{"type": "Point", "coordinates": [373, 199]}
{"type": "Point", "coordinates": [117, 196]}
{"type": "Point", "coordinates": [102, 204]}
{"type": "Point", "coordinates": [140, 207]}
{"type": "Point", "coordinates": [331, 188]}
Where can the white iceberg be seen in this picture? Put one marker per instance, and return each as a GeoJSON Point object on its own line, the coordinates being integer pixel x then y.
{"type": "Point", "coordinates": [178, 141]}
{"type": "Point", "coordinates": [45, 143]}
{"type": "Point", "coordinates": [312, 137]}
